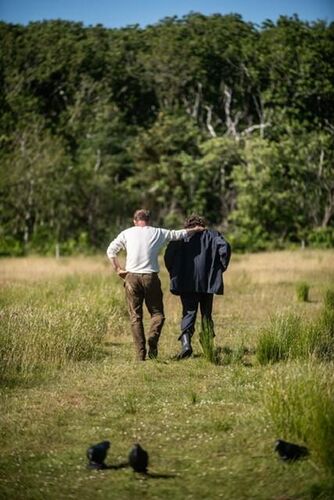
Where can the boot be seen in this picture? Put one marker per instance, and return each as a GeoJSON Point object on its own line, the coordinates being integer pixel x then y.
{"type": "Point", "coordinates": [186, 350]}
{"type": "Point", "coordinates": [153, 347]}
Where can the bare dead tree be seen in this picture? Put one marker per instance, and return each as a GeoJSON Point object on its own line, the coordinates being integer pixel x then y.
{"type": "Point", "coordinates": [231, 123]}
{"type": "Point", "coordinates": [329, 209]}
{"type": "Point", "coordinates": [198, 98]}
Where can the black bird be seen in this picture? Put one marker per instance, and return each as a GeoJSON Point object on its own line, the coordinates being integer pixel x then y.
{"type": "Point", "coordinates": [138, 458]}
{"type": "Point", "coordinates": [96, 455]}
{"type": "Point", "coordinates": [290, 451]}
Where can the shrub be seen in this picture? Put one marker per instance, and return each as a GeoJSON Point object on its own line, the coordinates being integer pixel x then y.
{"type": "Point", "coordinates": [321, 237]}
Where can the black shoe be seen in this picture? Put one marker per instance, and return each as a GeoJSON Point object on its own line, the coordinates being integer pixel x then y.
{"type": "Point", "coordinates": [186, 350]}
{"type": "Point", "coordinates": [152, 349]}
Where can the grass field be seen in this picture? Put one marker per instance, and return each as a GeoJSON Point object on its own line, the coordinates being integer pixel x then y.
{"type": "Point", "coordinates": [69, 379]}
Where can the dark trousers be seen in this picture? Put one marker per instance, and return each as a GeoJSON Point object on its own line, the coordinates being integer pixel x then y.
{"type": "Point", "coordinates": [140, 288]}
{"type": "Point", "coordinates": [190, 302]}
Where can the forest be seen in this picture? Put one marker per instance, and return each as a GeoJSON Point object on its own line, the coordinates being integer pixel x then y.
{"type": "Point", "coordinates": [207, 114]}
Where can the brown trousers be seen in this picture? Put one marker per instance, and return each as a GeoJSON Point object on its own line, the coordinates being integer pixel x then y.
{"type": "Point", "coordinates": [139, 288]}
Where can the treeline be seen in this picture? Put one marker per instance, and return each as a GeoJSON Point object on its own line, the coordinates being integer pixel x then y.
{"type": "Point", "coordinates": [206, 114]}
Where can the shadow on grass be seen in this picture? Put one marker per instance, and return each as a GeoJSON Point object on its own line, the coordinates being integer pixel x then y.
{"type": "Point", "coordinates": [155, 475]}
{"type": "Point", "coordinates": [108, 343]}
{"type": "Point", "coordinates": [223, 356]}
{"type": "Point", "coordinates": [124, 465]}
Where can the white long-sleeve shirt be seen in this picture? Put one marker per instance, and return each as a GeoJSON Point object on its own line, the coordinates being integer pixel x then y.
{"type": "Point", "coordinates": [142, 245]}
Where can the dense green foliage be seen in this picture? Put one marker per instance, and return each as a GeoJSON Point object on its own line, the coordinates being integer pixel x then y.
{"type": "Point", "coordinates": [209, 114]}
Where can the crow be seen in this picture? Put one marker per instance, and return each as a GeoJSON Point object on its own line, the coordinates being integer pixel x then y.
{"type": "Point", "coordinates": [96, 455]}
{"type": "Point", "coordinates": [138, 458]}
{"type": "Point", "coordinates": [290, 451]}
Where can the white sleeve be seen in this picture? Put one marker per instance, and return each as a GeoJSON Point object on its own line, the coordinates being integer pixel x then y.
{"type": "Point", "coordinates": [119, 243]}
{"type": "Point", "coordinates": [172, 234]}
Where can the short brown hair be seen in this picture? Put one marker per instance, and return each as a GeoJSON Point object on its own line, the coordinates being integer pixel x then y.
{"type": "Point", "coordinates": [142, 214]}
{"type": "Point", "coordinates": [194, 220]}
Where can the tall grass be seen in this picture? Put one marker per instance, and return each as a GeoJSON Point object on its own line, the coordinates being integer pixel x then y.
{"type": "Point", "coordinates": [288, 336]}
{"type": "Point", "coordinates": [206, 340]}
{"type": "Point", "coordinates": [329, 298]}
{"type": "Point", "coordinates": [202, 424]}
{"type": "Point", "coordinates": [278, 341]}
{"type": "Point", "coordinates": [302, 291]}
{"type": "Point", "coordinates": [32, 338]}
{"type": "Point", "coordinates": [44, 327]}
{"type": "Point", "coordinates": [300, 402]}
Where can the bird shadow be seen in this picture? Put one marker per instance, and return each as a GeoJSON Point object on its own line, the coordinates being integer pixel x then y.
{"type": "Point", "coordinates": [121, 465]}
{"type": "Point", "coordinates": [155, 475]}
{"type": "Point", "coordinates": [124, 465]}
{"type": "Point", "coordinates": [117, 466]}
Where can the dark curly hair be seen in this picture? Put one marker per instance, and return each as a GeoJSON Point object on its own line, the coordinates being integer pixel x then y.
{"type": "Point", "coordinates": [194, 220]}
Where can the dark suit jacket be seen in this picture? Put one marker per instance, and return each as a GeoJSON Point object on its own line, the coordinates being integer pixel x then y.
{"type": "Point", "coordinates": [197, 265]}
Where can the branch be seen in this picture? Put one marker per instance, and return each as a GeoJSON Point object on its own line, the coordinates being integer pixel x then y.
{"type": "Point", "coordinates": [194, 113]}
{"type": "Point", "coordinates": [98, 160]}
{"type": "Point", "coordinates": [321, 163]}
{"type": "Point", "coordinates": [254, 127]}
{"type": "Point", "coordinates": [329, 210]}
{"type": "Point", "coordinates": [208, 121]}
{"type": "Point", "coordinates": [231, 124]}
{"type": "Point", "coordinates": [329, 127]}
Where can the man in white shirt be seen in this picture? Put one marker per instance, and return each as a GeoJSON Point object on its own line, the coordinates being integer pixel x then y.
{"type": "Point", "coordinates": [142, 243]}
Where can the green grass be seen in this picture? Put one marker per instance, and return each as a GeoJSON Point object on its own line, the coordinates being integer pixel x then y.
{"type": "Point", "coordinates": [329, 298]}
{"type": "Point", "coordinates": [278, 340]}
{"type": "Point", "coordinates": [71, 381]}
{"type": "Point", "coordinates": [300, 401]}
{"type": "Point", "coordinates": [302, 291]}
{"type": "Point", "coordinates": [49, 325]}
{"type": "Point", "coordinates": [288, 336]}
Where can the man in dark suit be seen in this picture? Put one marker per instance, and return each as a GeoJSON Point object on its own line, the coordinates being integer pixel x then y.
{"type": "Point", "coordinates": [196, 265]}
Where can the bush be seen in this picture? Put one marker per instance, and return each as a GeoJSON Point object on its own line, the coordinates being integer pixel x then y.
{"type": "Point", "coordinates": [321, 237]}
{"type": "Point", "coordinates": [9, 246]}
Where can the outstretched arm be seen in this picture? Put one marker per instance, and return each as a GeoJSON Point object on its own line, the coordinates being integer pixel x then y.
{"type": "Point", "coordinates": [196, 229]}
